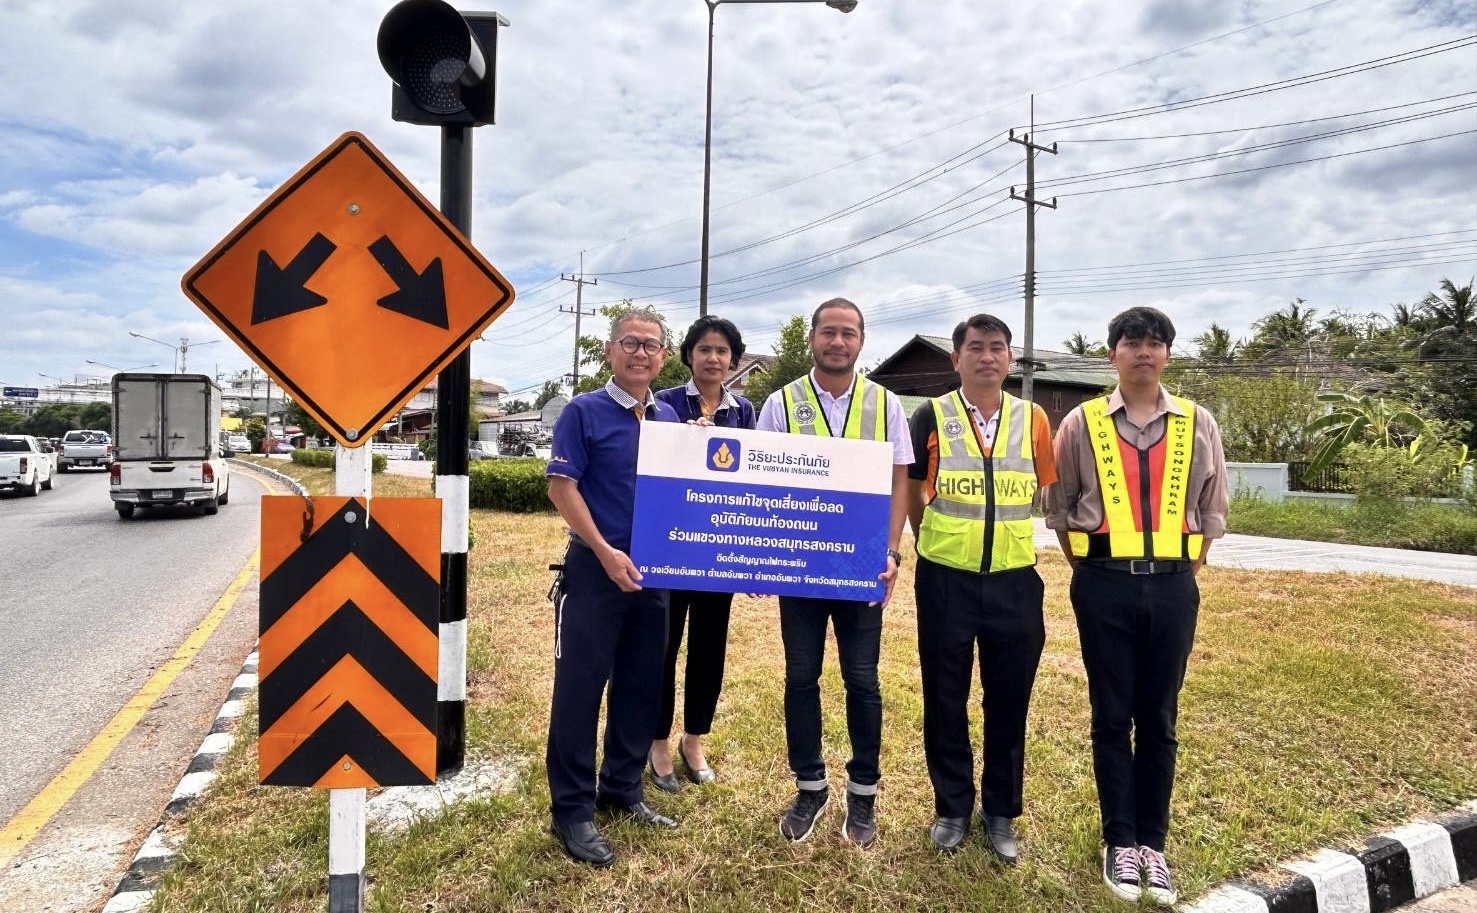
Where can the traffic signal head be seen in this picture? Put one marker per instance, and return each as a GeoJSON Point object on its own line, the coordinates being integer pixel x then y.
{"type": "Point", "coordinates": [443, 63]}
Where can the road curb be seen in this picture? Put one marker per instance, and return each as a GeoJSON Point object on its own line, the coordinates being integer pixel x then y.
{"type": "Point", "coordinates": [1389, 871]}
{"type": "Point", "coordinates": [274, 475]}
{"type": "Point", "coordinates": [160, 850]}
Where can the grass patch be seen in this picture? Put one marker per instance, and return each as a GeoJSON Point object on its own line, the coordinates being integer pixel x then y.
{"type": "Point", "coordinates": [1317, 709]}
{"type": "Point", "coordinates": [1421, 526]}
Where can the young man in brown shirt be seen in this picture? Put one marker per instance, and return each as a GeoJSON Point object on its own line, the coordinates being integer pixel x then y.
{"type": "Point", "coordinates": [1141, 493]}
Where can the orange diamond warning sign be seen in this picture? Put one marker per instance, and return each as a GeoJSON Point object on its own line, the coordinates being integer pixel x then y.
{"type": "Point", "coordinates": [349, 288]}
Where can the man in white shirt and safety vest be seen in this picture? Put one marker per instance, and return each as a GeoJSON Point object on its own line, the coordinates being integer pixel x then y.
{"type": "Point", "coordinates": [1142, 492]}
{"type": "Point", "coordinates": [982, 455]}
{"type": "Point", "coordinates": [834, 401]}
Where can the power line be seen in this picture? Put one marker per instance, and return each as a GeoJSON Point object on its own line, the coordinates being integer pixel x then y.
{"type": "Point", "coordinates": [1170, 272]}
{"type": "Point", "coordinates": [1060, 291]}
{"type": "Point", "coordinates": [1252, 129]}
{"type": "Point", "coordinates": [1223, 174]}
{"type": "Point", "coordinates": [1259, 89]}
{"type": "Point", "coordinates": [1248, 150]}
{"type": "Point", "coordinates": [1262, 253]}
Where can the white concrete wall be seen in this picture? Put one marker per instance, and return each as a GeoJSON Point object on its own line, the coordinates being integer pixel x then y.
{"type": "Point", "coordinates": [1267, 481]}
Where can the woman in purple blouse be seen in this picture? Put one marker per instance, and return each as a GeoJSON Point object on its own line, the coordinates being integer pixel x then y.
{"type": "Point", "coordinates": [711, 350]}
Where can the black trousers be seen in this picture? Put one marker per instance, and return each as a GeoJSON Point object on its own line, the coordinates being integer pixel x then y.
{"type": "Point", "coordinates": [705, 616]}
{"type": "Point", "coordinates": [607, 643]}
{"type": "Point", "coordinates": [1136, 632]}
{"type": "Point", "coordinates": [859, 643]}
{"type": "Point", "coordinates": [1001, 613]}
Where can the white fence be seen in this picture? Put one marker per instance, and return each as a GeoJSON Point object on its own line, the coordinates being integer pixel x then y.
{"type": "Point", "coordinates": [395, 451]}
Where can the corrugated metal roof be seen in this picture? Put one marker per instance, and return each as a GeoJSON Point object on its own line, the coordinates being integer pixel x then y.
{"type": "Point", "coordinates": [1060, 367]}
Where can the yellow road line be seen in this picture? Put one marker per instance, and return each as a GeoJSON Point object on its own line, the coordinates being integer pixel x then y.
{"type": "Point", "coordinates": [28, 822]}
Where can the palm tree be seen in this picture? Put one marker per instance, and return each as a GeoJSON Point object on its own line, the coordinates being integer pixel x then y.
{"type": "Point", "coordinates": [1290, 329]}
{"type": "Point", "coordinates": [1215, 344]}
{"type": "Point", "coordinates": [1078, 345]}
{"type": "Point", "coordinates": [1453, 307]}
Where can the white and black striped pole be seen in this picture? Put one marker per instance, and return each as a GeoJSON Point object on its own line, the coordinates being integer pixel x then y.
{"type": "Point", "coordinates": [351, 478]}
{"type": "Point", "coordinates": [453, 403]}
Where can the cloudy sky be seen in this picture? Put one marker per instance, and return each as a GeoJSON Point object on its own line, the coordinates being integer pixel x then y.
{"type": "Point", "coordinates": [1215, 159]}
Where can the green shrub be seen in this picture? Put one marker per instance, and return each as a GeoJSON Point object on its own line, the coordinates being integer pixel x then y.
{"type": "Point", "coordinates": [324, 459]}
{"type": "Point", "coordinates": [514, 485]}
{"type": "Point", "coordinates": [1391, 524]}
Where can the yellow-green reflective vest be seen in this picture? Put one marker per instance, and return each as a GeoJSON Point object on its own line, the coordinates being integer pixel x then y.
{"type": "Point", "coordinates": [982, 504]}
{"type": "Point", "coordinates": [866, 417]}
{"type": "Point", "coordinates": [1160, 475]}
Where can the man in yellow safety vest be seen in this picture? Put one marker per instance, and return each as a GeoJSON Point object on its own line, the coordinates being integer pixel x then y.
{"type": "Point", "coordinates": [1142, 492]}
{"type": "Point", "coordinates": [834, 400]}
{"type": "Point", "coordinates": [981, 456]}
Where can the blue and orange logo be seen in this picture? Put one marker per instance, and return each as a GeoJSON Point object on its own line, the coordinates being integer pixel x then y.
{"type": "Point", "coordinates": [723, 454]}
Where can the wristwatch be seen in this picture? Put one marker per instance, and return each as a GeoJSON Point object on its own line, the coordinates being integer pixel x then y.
{"type": "Point", "coordinates": [895, 555]}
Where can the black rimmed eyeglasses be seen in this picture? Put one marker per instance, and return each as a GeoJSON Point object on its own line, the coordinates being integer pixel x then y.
{"type": "Point", "coordinates": [630, 345]}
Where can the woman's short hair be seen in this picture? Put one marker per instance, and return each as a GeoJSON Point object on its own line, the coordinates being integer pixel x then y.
{"type": "Point", "coordinates": [705, 325]}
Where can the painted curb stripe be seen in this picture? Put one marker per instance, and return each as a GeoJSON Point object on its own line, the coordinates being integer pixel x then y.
{"type": "Point", "coordinates": [157, 855]}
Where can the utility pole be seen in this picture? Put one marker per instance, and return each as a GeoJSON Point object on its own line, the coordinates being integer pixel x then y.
{"type": "Point", "coordinates": [579, 311]}
{"type": "Point", "coordinates": [1028, 352]}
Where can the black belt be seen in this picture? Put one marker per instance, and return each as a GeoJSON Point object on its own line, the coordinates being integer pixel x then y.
{"type": "Point", "coordinates": [1137, 566]}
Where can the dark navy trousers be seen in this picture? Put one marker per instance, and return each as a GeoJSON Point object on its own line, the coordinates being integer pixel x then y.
{"type": "Point", "coordinates": [607, 644]}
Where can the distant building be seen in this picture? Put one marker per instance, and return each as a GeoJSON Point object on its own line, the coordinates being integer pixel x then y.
{"type": "Point", "coordinates": [748, 365]}
{"type": "Point", "coordinates": [922, 369]}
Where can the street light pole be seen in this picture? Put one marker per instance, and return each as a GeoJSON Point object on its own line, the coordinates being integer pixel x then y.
{"type": "Point", "coordinates": [102, 364]}
{"type": "Point", "coordinates": [174, 364]}
{"type": "Point", "coordinates": [844, 6]}
{"type": "Point", "coordinates": [184, 350]}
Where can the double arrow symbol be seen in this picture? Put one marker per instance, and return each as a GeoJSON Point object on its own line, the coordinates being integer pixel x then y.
{"type": "Point", "coordinates": [281, 291]}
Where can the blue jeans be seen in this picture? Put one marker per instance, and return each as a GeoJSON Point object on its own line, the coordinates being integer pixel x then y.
{"type": "Point", "coordinates": [858, 629]}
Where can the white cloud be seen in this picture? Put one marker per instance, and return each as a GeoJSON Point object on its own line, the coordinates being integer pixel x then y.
{"type": "Point", "coordinates": [138, 133]}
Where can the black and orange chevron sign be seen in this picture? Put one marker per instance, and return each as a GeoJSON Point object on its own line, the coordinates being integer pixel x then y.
{"type": "Point", "coordinates": [348, 653]}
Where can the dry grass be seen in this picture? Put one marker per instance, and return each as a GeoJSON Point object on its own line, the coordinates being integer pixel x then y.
{"type": "Point", "coordinates": [1317, 710]}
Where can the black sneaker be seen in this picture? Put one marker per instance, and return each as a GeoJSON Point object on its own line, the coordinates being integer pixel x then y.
{"type": "Point", "coordinates": [860, 826]}
{"type": "Point", "coordinates": [801, 816]}
{"type": "Point", "coordinates": [1121, 872]}
{"type": "Point", "coordinates": [1157, 882]}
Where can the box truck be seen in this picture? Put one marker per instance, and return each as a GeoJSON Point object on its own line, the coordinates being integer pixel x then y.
{"type": "Point", "coordinates": [166, 450]}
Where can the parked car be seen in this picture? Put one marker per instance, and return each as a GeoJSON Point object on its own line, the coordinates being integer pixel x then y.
{"type": "Point", "coordinates": [482, 450]}
{"type": "Point", "coordinates": [24, 466]}
{"type": "Point", "coordinates": [282, 447]}
{"type": "Point", "coordinates": [84, 448]}
{"type": "Point", "coordinates": [237, 443]}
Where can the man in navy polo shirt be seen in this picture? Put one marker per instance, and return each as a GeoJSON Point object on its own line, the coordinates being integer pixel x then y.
{"type": "Point", "coordinates": [608, 629]}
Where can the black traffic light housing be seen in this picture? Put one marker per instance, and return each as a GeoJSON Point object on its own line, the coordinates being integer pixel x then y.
{"type": "Point", "coordinates": [443, 63]}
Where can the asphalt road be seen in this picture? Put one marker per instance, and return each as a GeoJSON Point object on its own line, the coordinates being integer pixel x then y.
{"type": "Point", "coordinates": [90, 607]}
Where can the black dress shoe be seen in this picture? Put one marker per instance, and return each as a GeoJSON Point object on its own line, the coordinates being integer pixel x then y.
{"type": "Point", "coordinates": [948, 833]}
{"type": "Point", "coordinates": [582, 842]}
{"type": "Point", "coordinates": [698, 775]}
{"type": "Point", "coordinates": [643, 813]}
{"type": "Point", "coordinates": [667, 783]}
{"type": "Point", "coordinates": [1000, 837]}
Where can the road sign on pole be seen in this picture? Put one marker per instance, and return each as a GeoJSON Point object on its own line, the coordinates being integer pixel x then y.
{"type": "Point", "coordinates": [348, 265]}
{"type": "Point", "coordinates": [349, 606]}
{"type": "Point", "coordinates": [22, 392]}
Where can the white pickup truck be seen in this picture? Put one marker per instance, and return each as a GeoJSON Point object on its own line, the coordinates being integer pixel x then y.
{"type": "Point", "coordinates": [24, 465]}
{"type": "Point", "coordinates": [84, 448]}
